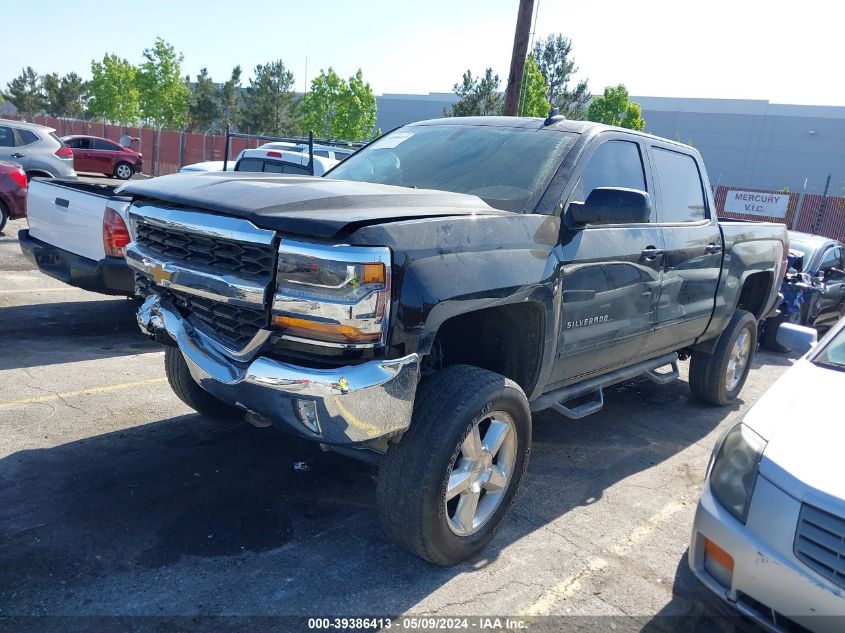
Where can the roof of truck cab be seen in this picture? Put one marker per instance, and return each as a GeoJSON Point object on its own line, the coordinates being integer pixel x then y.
{"type": "Point", "coordinates": [537, 123]}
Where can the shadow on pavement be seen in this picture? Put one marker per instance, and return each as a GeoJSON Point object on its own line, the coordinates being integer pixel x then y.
{"type": "Point", "coordinates": [191, 516]}
{"type": "Point", "coordinates": [694, 609]}
{"type": "Point", "coordinates": [69, 331]}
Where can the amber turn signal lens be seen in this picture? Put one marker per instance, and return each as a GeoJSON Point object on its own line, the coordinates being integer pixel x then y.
{"type": "Point", "coordinates": [323, 331]}
{"type": "Point", "coordinates": [718, 555]}
{"type": "Point", "coordinates": [372, 273]}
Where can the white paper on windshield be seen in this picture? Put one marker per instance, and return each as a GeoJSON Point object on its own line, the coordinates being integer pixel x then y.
{"type": "Point", "coordinates": [393, 140]}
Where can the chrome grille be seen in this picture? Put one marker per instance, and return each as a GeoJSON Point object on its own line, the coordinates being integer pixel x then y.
{"type": "Point", "coordinates": [253, 261]}
{"type": "Point", "coordinates": [233, 326]}
{"type": "Point", "coordinates": [820, 543]}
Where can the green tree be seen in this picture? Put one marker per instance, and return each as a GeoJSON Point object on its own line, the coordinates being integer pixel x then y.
{"type": "Point", "coordinates": [164, 95]}
{"type": "Point", "coordinates": [335, 108]}
{"type": "Point", "coordinates": [613, 108]}
{"type": "Point", "coordinates": [25, 92]}
{"type": "Point", "coordinates": [203, 109]}
{"type": "Point", "coordinates": [66, 96]}
{"type": "Point", "coordinates": [477, 96]}
{"type": "Point", "coordinates": [532, 98]}
{"type": "Point", "coordinates": [554, 61]}
{"type": "Point", "coordinates": [269, 106]}
{"type": "Point", "coordinates": [114, 91]}
{"type": "Point", "coordinates": [230, 93]}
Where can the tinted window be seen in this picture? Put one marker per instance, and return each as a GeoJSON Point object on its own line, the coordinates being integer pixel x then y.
{"type": "Point", "coordinates": [508, 167]}
{"type": "Point", "coordinates": [299, 170]}
{"type": "Point", "coordinates": [613, 164]}
{"type": "Point", "coordinates": [681, 192]}
{"type": "Point", "coordinates": [321, 152]}
{"type": "Point", "coordinates": [105, 145]}
{"type": "Point", "coordinates": [273, 168]}
{"type": "Point", "coordinates": [80, 143]}
{"type": "Point", "coordinates": [7, 137]}
{"type": "Point", "coordinates": [27, 137]}
{"type": "Point", "coordinates": [249, 164]}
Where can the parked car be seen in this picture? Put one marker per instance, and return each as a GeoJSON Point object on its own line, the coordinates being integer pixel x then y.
{"type": "Point", "coordinates": [769, 531]}
{"type": "Point", "coordinates": [813, 287]}
{"type": "Point", "coordinates": [36, 148]}
{"type": "Point", "coordinates": [274, 161]}
{"type": "Point", "coordinates": [94, 154]}
{"type": "Point", "coordinates": [415, 305]}
{"type": "Point", "coordinates": [206, 166]}
{"type": "Point", "coordinates": [13, 186]}
{"type": "Point", "coordinates": [77, 234]}
{"type": "Point", "coordinates": [325, 151]}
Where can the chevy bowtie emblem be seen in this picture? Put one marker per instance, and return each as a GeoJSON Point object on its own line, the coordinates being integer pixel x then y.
{"type": "Point", "coordinates": [159, 274]}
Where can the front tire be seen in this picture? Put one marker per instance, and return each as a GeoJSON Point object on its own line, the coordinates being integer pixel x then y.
{"type": "Point", "coordinates": [189, 392]}
{"type": "Point", "coordinates": [445, 488]}
{"type": "Point", "coordinates": [123, 171]}
{"type": "Point", "coordinates": [718, 378]}
{"type": "Point", "coordinates": [4, 216]}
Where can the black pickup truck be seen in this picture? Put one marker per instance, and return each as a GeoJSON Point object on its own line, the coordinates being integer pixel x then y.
{"type": "Point", "coordinates": [417, 304]}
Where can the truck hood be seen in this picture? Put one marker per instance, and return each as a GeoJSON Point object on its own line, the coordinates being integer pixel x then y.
{"type": "Point", "coordinates": [800, 417]}
{"type": "Point", "coordinates": [319, 207]}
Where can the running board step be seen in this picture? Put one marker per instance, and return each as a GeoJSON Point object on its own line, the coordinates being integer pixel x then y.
{"type": "Point", "coordinates": [558, 398]}
{"type": "Point", "coordinates": [582, 410]}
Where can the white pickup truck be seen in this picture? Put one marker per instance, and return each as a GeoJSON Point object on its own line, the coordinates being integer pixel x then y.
{"type": "Point", "coordinates": [77, 234]}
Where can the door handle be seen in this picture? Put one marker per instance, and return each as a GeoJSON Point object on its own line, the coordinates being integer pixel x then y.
{"type": "Point", "coordinates": [18, 155]}
{"type": "Point", "coordinates": [651, 252]}
{"type": "Point", "coordinates": [712, 249]}
{"type": "Point", "coordinates": [61, 202]}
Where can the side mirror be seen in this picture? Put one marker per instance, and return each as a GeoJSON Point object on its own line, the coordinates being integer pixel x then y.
{"type": "Point", "coordinates": [798, 338]}
{"type": "Point", "coordinates": [612, 205]}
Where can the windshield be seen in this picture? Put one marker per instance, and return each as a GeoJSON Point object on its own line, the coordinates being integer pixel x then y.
{"type": "Point", "coordinates": [833, 354]}
{"type": "Point", "coordinates": [509, 168]}
{"type": "Point", "coordinates": [802, 247]}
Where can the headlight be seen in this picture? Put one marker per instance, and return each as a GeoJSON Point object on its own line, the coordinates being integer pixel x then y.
{"type": "Point", "coordinates": [332, 295]}
{"type": "Point", "coordinates": [734, 470]}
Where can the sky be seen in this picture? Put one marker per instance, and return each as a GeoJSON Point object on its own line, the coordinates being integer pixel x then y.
{"type": "Point", "coordinates": [783, 52]}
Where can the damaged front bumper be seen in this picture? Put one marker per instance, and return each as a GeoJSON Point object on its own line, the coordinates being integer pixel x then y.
{"type": "Point", "coordinates": [361, 404]}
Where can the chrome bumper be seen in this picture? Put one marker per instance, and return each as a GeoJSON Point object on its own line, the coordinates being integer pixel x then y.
{"type": "Point", "coordinates": [349, 405]}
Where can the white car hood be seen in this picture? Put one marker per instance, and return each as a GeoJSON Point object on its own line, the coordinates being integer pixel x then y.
{"type": "Point", "coordinates": [802, 416]}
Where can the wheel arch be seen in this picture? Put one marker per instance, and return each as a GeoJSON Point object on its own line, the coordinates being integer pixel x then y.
{"type": "Point", "coordinates": [507, 339]}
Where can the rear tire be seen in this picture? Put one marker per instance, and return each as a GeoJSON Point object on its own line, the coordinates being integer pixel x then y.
{"type": "Point", "coordinates": [124, 171]}
{"type": "Point", "coordinates": [471, 431]}
{"type": "Point", "coordinates": [189, 392]}
{"type": "Point", "coordinates": [718, 378]}
{"type": "Point", "coordinates": [4, 216]}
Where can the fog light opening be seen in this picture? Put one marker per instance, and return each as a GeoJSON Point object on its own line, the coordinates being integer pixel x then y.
{"type": "Point", "coordinates": [718, 563]}
{"type": "Point", "coordinates": [306, 412]}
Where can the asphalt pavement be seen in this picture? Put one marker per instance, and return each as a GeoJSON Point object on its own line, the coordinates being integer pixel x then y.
{"type": "Point", "coordinates": [117, 500]}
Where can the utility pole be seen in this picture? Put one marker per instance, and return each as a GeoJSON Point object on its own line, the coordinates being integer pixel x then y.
{"type": "Point", "coordinates": [520, 49]}
{"type": "Point", "coordinates": [820, 217]}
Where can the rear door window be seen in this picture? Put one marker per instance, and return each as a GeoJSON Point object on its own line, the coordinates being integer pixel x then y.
{"type": "Point", "coordinates": [681, 190]}
{"type": "Point", "coordinates": [7, 137]}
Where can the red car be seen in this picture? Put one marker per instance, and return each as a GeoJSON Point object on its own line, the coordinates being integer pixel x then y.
{"type": "Point", "coordinates": [98, 155]}
{"type": "Point", "coordinates": [12, 192]}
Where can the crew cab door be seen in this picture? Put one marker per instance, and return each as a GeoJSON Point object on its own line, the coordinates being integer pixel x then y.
{"type": "Point", "coordinates": [611, 274]}
{"type": "Point", "coordinates": [692, 257]}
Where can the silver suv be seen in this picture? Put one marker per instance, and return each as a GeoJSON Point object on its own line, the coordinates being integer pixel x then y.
{"type": "Point", "coordinates": [36, 148]}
